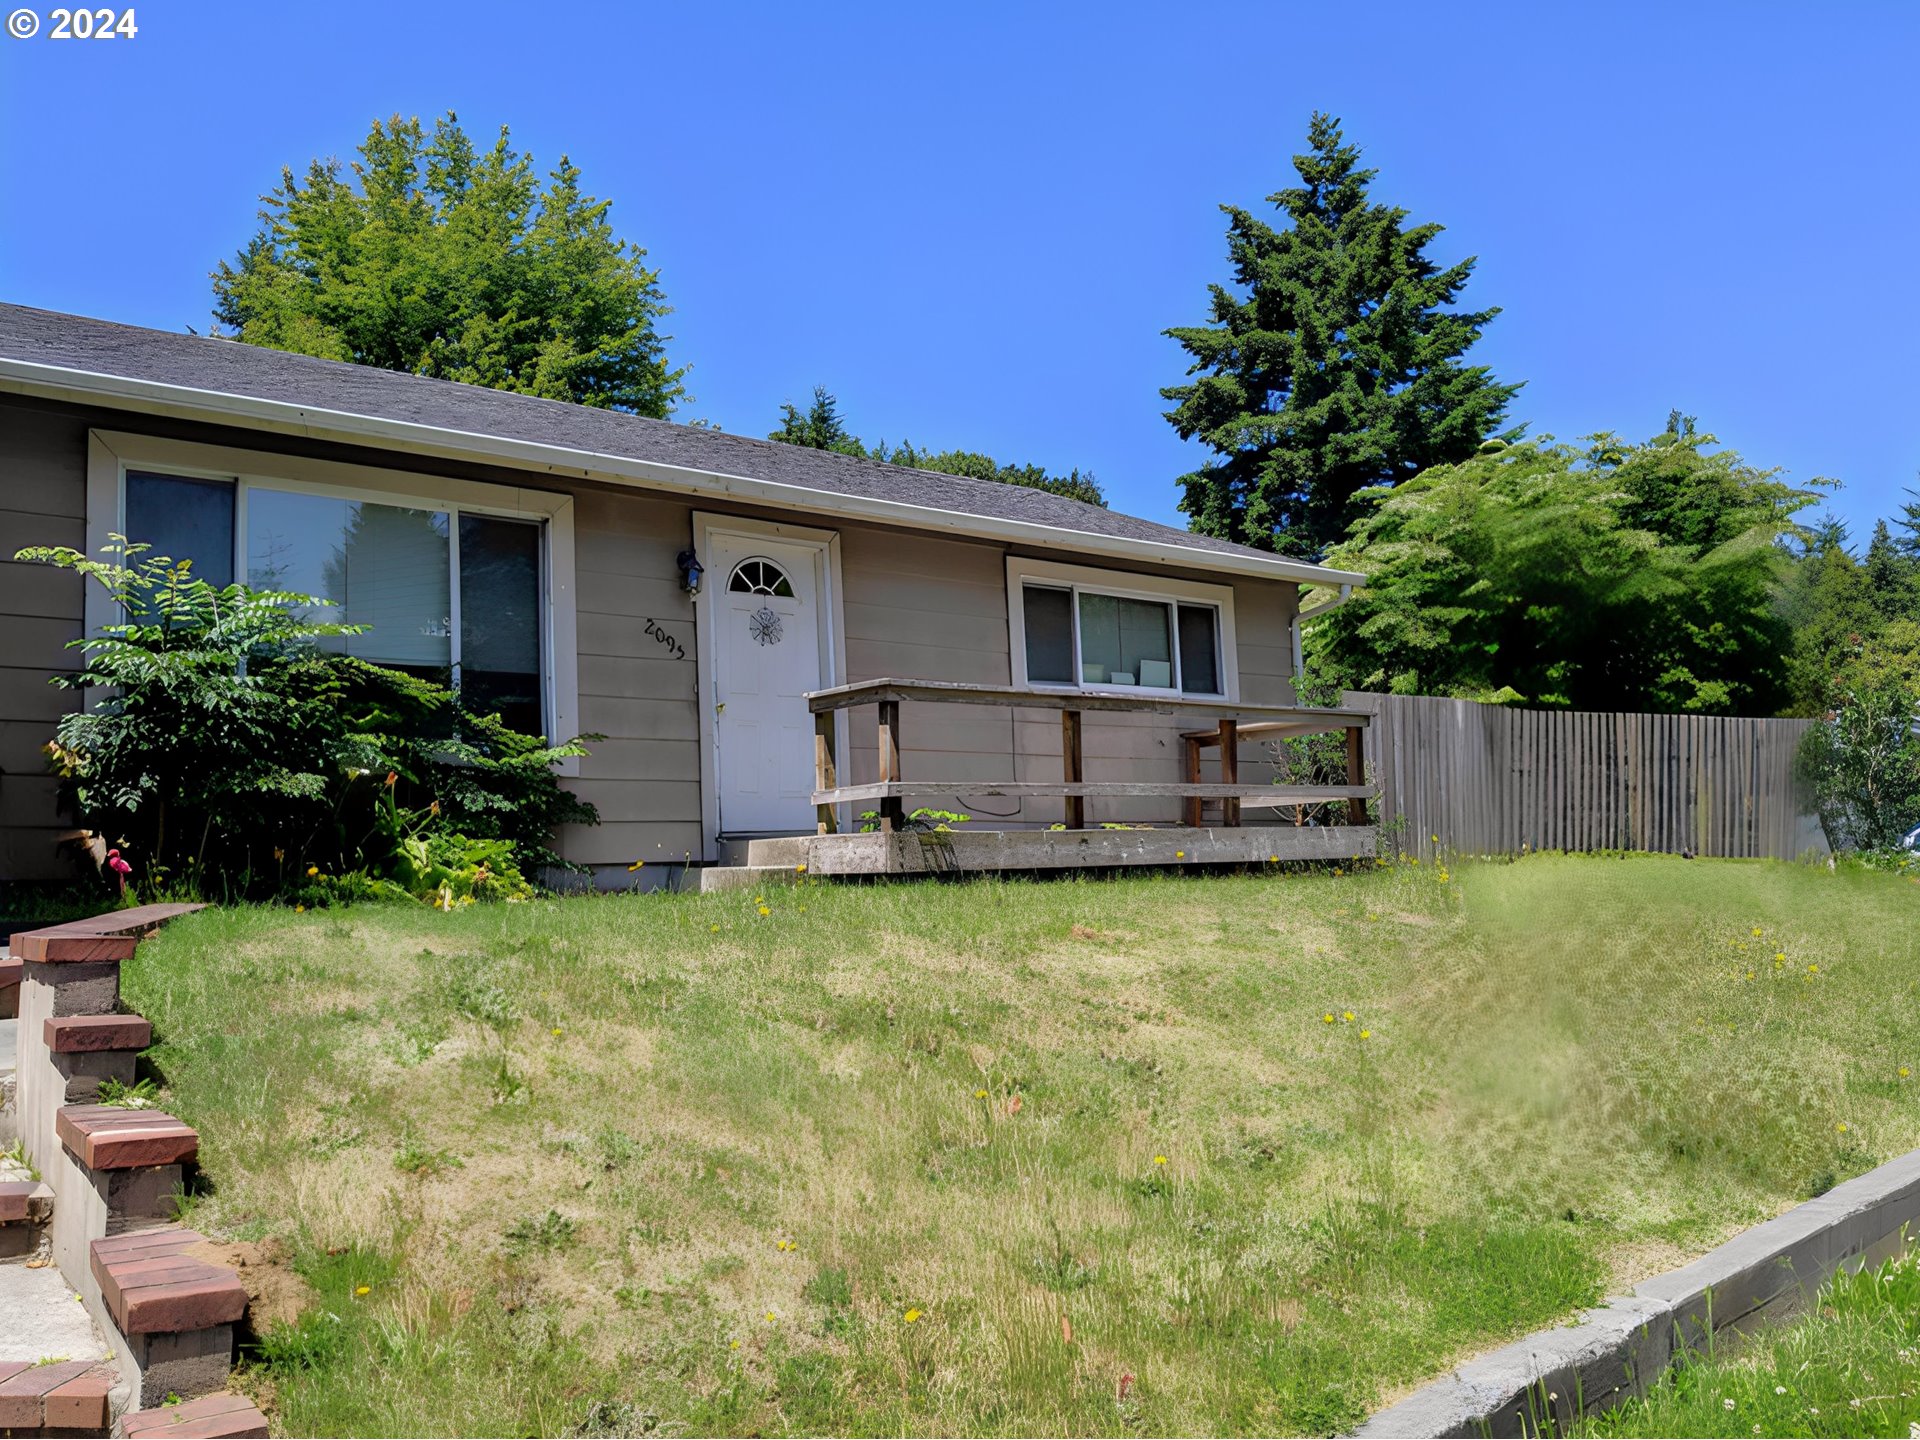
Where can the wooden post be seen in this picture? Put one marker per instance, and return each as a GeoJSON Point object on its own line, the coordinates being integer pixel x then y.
{"type": "Point", "coordinates": [826, 775]}
{"type": "Point", "coordinates": [1356, 775]}
{"type": "Point", "coordinates": [892, 813]}
{"type": "Point", "coordinates": [1071, 769]}
{"type": "Point", "coordinates": [1230, 770]}
{"type": "Point", "coordinates": [1194, 814]}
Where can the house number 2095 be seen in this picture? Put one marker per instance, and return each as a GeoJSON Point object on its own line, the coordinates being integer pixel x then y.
{"type": "Point", "coordinates": [666, 641]}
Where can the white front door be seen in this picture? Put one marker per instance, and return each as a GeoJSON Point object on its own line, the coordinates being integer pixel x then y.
{"type": "Point", "coordinates": [767, 656]}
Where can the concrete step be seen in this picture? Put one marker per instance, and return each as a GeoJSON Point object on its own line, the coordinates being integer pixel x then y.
{"type": "Point", "coordinates": [26, 1210]}
{"type": "Point", "coordinates": [747, 877]}
{"type": "Point", "coordinates": [790, 851]}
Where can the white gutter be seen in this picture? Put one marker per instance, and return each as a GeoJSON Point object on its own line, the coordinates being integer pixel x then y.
{"type": "Point", "coordinates": [153, 397]}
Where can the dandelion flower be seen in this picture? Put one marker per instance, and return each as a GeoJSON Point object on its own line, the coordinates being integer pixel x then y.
{"type": "Point", "coordinates": [1366, 1034]}
{"type": "Point", "coordinates": [312, 870]}
{"type": "Point", "coordinates": [635, 866]}
{"type": "Point", "coordinates": [771, 1317]}
{"type": "Point", "coordinates": [1328, 1017]}
{"type": "Point", "coordinates": [1905, 1071]}
{"type": "Point", "coordinates": [1780, 955]}
{"type": "Point", "coordinates": [1749, 974]}
{"type": "Point", "coordinates": [1338, 871]}
{"type": "Point", "coordinates": [714, 929]}
{"type": "Point", "coordinates": [1841, 1127]}
{"type": "Point", "coordinates": [363, 1289]}
{"type": "Point", "coordinates": [1159, 1159]}
{"type": "Point", "coordinates": [766, 910]}
{"type": "Point", "coordinates": [979, 1094]}
{"type": "Point", "coordinates": [556, 1031]}
{"type": "Point", "coordinates": [911, 1317]}
{"type": "Point", "coordinates": [799, 869]}
{"type": "Point", "coordinates": [299, 909]}
{"type": "Point", "coordinates": [1347, 1015]}
{"type": "Point", "coordinates": [1273, 859]}
{"type": "Point", "coordinates": [733, 1345]}
{"type": "Point", "coordinates": [1756, 930]}
{"type": "Point", "coordinates": [1179, 854]}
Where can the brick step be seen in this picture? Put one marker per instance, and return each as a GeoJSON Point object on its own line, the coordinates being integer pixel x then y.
{"type": "Point", "coordinates": [26, 1209]}
{"type": "Point", "coordinates": [151, 1286]}
{"type": "Point", "coordinates": [110, 1137]}
{"type": "Point", "coordinates": [91, 1034]}
{"type": "Point", "coordinates": [70, 1395]}
{"type": "Point", "coordinates": [216, 1417]}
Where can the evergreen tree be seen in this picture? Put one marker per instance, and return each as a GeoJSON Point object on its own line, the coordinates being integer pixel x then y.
{"type": "Point", "coordinates": [1908, 523]}
{"type": "Point", "coordinates": [1891, 576]}
{"type": "Point", "coordinates": [1334, 364]}
{"type": "Point", "coordinates": [439, 260]}
{"type": "Point", "coordinates": [821, 428]}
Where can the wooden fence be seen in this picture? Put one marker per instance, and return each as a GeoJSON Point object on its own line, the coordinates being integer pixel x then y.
{"type": "Point", "coordinates": [1489, 779]}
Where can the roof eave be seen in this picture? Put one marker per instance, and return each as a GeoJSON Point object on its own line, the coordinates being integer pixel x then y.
{"type": "Point", "coordinates": [283, 417]}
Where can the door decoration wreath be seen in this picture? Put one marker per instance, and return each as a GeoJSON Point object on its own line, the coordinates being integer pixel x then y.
{"type": "Point", "coordinates": [764, 625]}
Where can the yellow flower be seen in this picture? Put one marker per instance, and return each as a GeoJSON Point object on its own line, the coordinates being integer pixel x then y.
{"type": "Point", "coordinates": [1179, 854]}
{"type": "Point", "coordinates": [1841, 1127]}
{"type": "Point", "coordinates": [979, 1094]}
{"type": "Point", "coordinates": [766, 910]}
{"type": "Point", "coordinates": [1346, 1015]}
{"type": "Point", "coordinates": [1749, 974]}
{"type": "Point", "coordinates": [1159, 1159]}
{"type": "Point", "coordinates": [1781, 956]}
{"type": "Point", "coordinates": [313, 870]}
{"type": "Point", "coordinates": [1813, 969]}
{"type": "Point", "coordinates": [1905, 1072]}
{"type": "Point", "coordinates": [1366, 1034]}
{"type": "Point", "coordinates": [1756, 929]}
{"type": "Point", "coordinates": [299, 909]}
{"type": "Point", "coordinates": [635, 866]}
{"type": "Point", "coordinates": [1434, 838]}
{"type": "Point", "coordinates": [1338, 871]}
{"type": "Point", "coordinates": [771, 1317]}
{"type": "Point", "coordinates": [734, 1345]}
{"type": "Point", "coordinates": [1328, 1017]}
{"type": "Point", "coordinates": [363, 1289]}
{"type": "Point", "coordinates": [1273, 859]}
{"type": "Point", "coordinates": [799, 869]}
{"type": "Point", "coordinates": [556, 1030]}
{"type": "Point", "coordinates": [715, 929]}
{"type": "Point", "coordinates": [911, 1317]}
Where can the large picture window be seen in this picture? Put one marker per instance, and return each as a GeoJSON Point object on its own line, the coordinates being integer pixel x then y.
{"type": "Point", "coordinates": [1099, 630]}
{"type": "Point", "coordinates": [449, 592]}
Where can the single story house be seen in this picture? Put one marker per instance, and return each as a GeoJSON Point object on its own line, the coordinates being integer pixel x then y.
{"type": "Point", "coordinates": [679, 590]}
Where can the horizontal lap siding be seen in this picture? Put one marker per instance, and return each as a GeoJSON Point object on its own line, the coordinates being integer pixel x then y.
{"type": "Point", "coordinates": [644, 778]}
{"type": "Point", "coordinates": [927, 608]}
{"type": "Point", "coordinates": [43, 501]}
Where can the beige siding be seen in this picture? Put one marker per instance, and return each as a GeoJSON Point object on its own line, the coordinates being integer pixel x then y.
{"type": "Point", "coordinates": [43, 501]}
{"type": "Point", "coordinates": [915, 606]}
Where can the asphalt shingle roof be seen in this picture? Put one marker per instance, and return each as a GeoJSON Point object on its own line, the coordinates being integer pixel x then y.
{"type": "Point", "coordinates": [101, 347]}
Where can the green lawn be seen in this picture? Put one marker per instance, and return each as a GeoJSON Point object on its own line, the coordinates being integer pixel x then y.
{"type": "Point", "coordinates": [1080, 1156]}
{"type": "Point", "coordinates": [1853, 1368]}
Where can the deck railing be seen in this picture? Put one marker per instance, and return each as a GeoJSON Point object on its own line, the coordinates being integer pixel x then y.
{"type": "Point", "coordinates": [1231, 723]}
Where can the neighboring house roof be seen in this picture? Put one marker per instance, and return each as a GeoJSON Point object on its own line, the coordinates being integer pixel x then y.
{"type": "Point", "coordinates": [45, 352]}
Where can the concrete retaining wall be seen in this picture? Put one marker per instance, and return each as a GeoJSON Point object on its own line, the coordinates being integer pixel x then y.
{"type": "Point", "coordinates": [1542, 1384]}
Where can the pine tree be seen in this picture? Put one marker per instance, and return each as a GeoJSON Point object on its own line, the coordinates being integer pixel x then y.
{"type": "Point", "coordinates": [820, 428]}
{"type": "Point", "coordinates": [1893, 578]}
{"type": "Point", "coordinates": [1333, 365]}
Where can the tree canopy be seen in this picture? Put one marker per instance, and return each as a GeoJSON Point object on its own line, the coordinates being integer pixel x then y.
{"type": "Point", "coordinates": [1612, 576]}
{"type": "Point", "coordinates": [440, 259]}
{"type": "Point", "coordinates": [820, 427]}
{"type": "Point", "coordinates": [1332, 364]}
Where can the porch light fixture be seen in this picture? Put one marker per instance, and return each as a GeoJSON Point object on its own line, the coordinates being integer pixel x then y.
{"type": "Point", "coordinates": [691, 571]}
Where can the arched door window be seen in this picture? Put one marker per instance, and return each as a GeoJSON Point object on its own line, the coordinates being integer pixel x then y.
{"type": "Point", "coordinates": [760, 577]}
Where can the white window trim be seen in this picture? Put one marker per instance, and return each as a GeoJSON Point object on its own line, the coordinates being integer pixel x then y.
{"type": "Point", "coordinates": [111, 453]}
{"type": "Point", "coordinates": [1127, 585]}
{"type": "Point", "coordinates": [832, 628]}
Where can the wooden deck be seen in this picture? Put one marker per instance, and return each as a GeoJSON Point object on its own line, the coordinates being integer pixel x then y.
{"type": "Point", "coordinates": [956, 852]}
{"type": "Point", "coordinates": [1231, 722]}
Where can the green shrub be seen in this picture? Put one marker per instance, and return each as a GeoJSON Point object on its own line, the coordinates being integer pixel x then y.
{"type": "Point", "coordinates": [230, 754]}
{"type": "Point", "coordinates": [1862, 761]}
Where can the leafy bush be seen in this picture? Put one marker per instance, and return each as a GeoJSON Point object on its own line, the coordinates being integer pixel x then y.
{"type": "Point", "coordinates": [1862, 761]}
{"type": "Point", "coordinates": [229, 753]}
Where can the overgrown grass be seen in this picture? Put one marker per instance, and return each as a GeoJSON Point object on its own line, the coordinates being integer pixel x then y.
{"type": "Point", "coordinates": [1076, 1157]}
{"type": "Point", "coordinates": [1853, 1368]}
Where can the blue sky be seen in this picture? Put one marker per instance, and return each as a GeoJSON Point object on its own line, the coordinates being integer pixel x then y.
{"type": "Point", "coordinates": [972, 223]}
